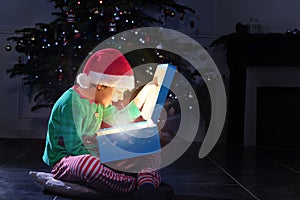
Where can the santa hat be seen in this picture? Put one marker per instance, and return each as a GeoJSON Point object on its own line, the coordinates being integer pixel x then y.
{"type": "Point", "coordinates": [107, 67]}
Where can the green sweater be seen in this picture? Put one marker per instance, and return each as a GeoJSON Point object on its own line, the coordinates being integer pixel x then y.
{"type": "Point", "coordinates": [73, 124]}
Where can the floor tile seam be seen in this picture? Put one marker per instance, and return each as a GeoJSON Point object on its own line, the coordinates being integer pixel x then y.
{"type": "Point", "coordinates": [280, 163]}
{"type": "Point", "coordinates": [15, 158]}
{"type": "Point", "coordinates": [234, 179]}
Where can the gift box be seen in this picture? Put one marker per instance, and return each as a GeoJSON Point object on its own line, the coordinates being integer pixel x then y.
{"type": "Point", "coordinates": [140, 138]}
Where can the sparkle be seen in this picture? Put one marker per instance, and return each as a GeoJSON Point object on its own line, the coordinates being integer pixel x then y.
{"type": "Point", "coordinates": [159, 46]}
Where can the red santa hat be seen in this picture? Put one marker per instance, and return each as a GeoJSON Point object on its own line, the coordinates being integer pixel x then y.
{"type": "Point", "coordinates": [107, 67]}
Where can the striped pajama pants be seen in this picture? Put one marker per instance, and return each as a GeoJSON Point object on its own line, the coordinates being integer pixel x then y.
{"type": "Point", "coordinates": [89, 170]}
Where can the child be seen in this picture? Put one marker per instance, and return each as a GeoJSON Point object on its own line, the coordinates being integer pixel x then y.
{"type": "Point", "coordinates": [77, 116]}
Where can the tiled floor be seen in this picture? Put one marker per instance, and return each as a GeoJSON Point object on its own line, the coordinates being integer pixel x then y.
{"type": "Point", "coordinates": [227, 173]}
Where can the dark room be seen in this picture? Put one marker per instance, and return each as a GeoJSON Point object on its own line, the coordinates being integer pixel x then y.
{"type": "Point", "coordinates": [160, 100]}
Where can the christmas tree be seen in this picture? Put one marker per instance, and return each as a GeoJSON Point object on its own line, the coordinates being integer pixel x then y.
{"type": "Point", "coordinates": [54, 51]}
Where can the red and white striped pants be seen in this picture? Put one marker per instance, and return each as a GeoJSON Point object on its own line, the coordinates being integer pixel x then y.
{"type": "Point", "coordinates": [89, 170]}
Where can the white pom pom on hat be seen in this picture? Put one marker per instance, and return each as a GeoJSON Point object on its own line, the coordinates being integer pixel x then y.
{"type": "Point", "coordinates": [84, 80]}
{"type": "Point", "coordinates": [107, 67]}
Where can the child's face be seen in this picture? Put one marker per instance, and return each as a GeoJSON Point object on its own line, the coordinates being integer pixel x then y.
{"type": "Point", "coordinates": [104, 95]}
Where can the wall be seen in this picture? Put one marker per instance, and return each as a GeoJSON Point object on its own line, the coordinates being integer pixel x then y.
{"type": "Point", "coordinates": [274, 15]}
{"type": "Point", "coordinates": [15, 122]}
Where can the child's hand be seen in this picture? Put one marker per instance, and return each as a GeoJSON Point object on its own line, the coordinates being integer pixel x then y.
{"type": "Point", "coordinates": [149, 88]}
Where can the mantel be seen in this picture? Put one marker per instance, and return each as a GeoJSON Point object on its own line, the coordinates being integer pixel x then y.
{"type": "Point", "coordinates": [272, 49]}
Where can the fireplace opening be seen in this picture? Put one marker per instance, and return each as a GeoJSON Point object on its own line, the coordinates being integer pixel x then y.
{"type": "Point", "coordinates": [278, 117]}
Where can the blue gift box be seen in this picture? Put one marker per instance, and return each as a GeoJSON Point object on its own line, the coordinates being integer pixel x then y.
{"type": "Point", "coordinates": [140, 138]}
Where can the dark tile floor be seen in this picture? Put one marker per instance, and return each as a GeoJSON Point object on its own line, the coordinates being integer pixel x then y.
{"type": "Point", "coordinates": [227, 173]}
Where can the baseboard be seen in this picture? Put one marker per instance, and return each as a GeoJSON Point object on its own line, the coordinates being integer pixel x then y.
{"type": "Point", "coordinates": [23, 134]}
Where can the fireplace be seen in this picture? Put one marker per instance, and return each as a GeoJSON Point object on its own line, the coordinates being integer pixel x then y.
{"type": "Point", "coordinates": [272, 106]}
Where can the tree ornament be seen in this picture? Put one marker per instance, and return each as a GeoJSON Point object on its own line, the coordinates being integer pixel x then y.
{"type": "Point", "coordinates": [192, 24]}
{"type": "Point", "coordinates": [65, 8]}
{"type": "Point", "coordinates": [172, 14]}
{"type": "Point", "coordinates": [77, 34]}
{"type": "Point", "coordinates": [167, 12]}
{"type": "Point", "coordinates": [95, 11]}
{"type": "Point", "coordinates": [60, 77]}
{"type": "Point", "coordinates": [8, 47]}
{"type": "Point", "coordinates": [19, 48]}
{"type": "Point", "coordinates": [112, 27]}
{"type": "Point", "coordinates": [181, 15]}
{"type": "Point", "coordinates": [65, 41]}
{"type": "Point", "coordinates": [70, 16]}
